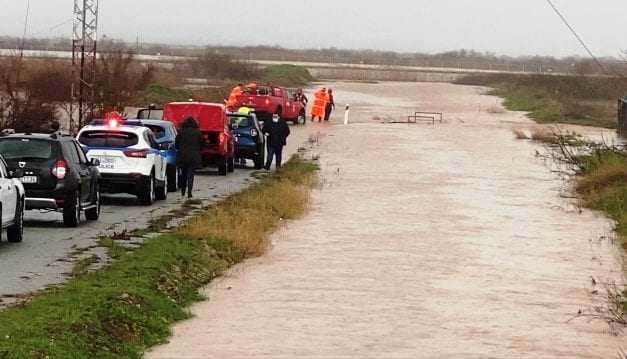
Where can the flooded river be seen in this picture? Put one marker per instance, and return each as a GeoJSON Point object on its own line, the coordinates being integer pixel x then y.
{"type": "Point", "coordinates": [423, 241]}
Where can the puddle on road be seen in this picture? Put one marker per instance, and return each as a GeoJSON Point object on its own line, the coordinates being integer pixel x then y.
{"type": "Point", "coordinates": [425, 241]}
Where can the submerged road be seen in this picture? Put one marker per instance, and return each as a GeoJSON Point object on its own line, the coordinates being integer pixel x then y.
{"type": "Point", "coordinates": [424, 241]}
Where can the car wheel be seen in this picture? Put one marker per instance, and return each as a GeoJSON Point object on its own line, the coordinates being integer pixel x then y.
{"type": "Point", "coordinates": [15, 233]}
{"type": "Point", "coordinates": [231, 164]}
{"type": "Point", "coordinates": [173, 179]}
{"type": "Point", "coordinates": [147, 195]}
{"type": "Point", "coordinates": [162, 192]}
{"type": "Point", "coordinates": [222, 167]}
{"type": "Point", "coordinates": [72, 210]}
{"type": "Point", "coordinates": [93, 213]}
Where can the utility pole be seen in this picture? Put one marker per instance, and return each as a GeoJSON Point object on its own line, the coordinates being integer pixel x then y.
{"type": "Point", "coordinates": [84, 57]}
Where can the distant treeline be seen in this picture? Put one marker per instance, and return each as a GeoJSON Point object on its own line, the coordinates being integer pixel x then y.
{"type": "Point", "coordinates": [455, 59]}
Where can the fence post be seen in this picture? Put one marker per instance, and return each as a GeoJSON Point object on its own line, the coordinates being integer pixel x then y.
{"type": "Point", "coordinates": [346, 113]}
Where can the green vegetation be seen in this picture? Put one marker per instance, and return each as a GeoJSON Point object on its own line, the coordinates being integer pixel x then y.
{"type": "Point", "coordinates": [129, 306]}
{"type": "Point", "coordinates": [159, 94]}
{"type": "Point", "coordinates": [588, 101]}
{"type": "Point", "coordinates": [286, 75]}
{"type": "Point", "coordinates": [603, 185]}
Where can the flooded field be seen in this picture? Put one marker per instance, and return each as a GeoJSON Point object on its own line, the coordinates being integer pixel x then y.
{"type": "Point", "coordinates": [423, 241]}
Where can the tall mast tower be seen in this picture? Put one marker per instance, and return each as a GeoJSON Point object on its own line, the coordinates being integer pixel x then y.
{"type": "Point", "coordinates": [84, 50]}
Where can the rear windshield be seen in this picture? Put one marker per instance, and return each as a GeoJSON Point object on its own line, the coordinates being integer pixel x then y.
{"type": "Point", "coordinates": [25, 148]}
{"type": "Point", "coordinates": [158, 131]}
{"type": "Point", "coordinates": [241, 121]}
{"type": "Point", "coordinates": [108, 139]}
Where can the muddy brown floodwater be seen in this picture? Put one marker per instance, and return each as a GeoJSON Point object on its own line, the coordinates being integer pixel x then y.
{"type": "Point", "coordinates": [423, 241]}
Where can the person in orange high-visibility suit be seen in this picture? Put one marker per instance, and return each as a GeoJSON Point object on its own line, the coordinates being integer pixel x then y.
{"type": "Point", "coordinates": [237, 91]}
{"type": "Point", "coordinates": [319, 105]}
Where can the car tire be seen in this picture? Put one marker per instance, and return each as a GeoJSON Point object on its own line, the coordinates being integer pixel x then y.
{"type": "Point", "coordinates": [147, 194]}
{"type": "Point", "coordinates": [231, 164]}
{"type": "Point", "coordinates": [173, 178]}
{"type": "Point", "coordinates": [162, 192]}
{"type": "Point", "coordinates": [72, 210]}
{"type": "Point", "coordinates": [260, 159]}
{"type": "Point", "coordinates": [15, 233]}
{"type": "Point", "coordinates": [93, 214]}
{"type": "Point", "coordinates": [222, 167]}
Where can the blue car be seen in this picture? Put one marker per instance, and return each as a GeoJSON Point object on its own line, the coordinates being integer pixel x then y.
{"type": "Point", "coordinates": [249, 140]}
{"type": "Point", "coordinates": [165, 135]}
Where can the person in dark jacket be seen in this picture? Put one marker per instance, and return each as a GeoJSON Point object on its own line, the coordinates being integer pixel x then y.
{"type": "Point", "coordinates": [277, 132]}
{"type": "Point", "coordinates": [188, 158]}
{"type": "Point", "coordinates": [330, 106]}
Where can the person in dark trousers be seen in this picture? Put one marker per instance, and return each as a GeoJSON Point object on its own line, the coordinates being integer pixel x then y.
{"type": "Point", "coordinates": [188, 157]}
{"type": "Point", "coordinates": [330, 106]}
{"type": "Point", "coordinates": [277, 132]}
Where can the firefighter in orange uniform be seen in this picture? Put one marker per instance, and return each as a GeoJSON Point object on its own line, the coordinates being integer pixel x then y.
{"type": "Point", "coordinates": [237, 91]}
{"type": "Point", "coordinates": [319, 105]}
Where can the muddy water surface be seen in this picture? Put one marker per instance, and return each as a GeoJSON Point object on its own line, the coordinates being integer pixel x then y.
{"type": "Point", "coordinates": [424, 241]}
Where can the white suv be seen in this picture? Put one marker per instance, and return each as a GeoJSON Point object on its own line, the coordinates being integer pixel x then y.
{"type": "Point", "coordinates": [12, 198]}
{"type": "Point", "coordinates": [130, 160]}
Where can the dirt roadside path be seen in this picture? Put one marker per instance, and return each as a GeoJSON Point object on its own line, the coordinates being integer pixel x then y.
{"type": "Point", "coordinates": [449, 241]}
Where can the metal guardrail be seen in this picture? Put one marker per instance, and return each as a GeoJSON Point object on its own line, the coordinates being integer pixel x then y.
{"type": "Point", "coordinates": [426, 116]}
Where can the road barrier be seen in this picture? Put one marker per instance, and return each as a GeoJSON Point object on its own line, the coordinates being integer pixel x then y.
{"type": "Point", "coordinates": [426, 116]}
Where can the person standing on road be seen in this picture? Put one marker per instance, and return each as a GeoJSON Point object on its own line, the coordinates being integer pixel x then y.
{"type": "Point", "coordinates": [277, 131]}
{"type": "Point", "coordinates": [319, 105]}
{"type": "Point", "coordinates": [188, 157]}
{"type": "Point", "coordinates": [330, 105]}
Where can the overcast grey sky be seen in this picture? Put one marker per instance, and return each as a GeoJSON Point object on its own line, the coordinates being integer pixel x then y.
{"type": "Point", "coordinates": [515, 27]}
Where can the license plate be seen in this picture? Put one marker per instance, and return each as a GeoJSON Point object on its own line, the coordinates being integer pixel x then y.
{"type": "Point", "coordinates": [29, 179]}
{"type": "Point", "coordinates": [107, 163]}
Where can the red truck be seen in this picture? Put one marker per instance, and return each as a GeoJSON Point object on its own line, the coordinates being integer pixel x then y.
{"type": "Point", "coordinates": [268, 100]}
{"type": "Point", "coordinates": [219, 147]}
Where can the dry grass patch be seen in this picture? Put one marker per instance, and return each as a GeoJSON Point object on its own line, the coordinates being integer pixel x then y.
{"type": "Point", "coordinates": [520, 134]}
{"type": "Point", "coordinates": [543, 135]}
{"type": "Point", "coordinates": [245, 219]}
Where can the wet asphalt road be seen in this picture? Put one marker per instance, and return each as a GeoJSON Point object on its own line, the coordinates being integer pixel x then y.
{"type": "Point", "coordinates": [49, 250]}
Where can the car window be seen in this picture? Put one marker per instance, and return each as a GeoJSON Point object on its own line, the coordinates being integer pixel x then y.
{"type": "Point", "coordinates": [241, 121]}
{"type": "Point", "coordinates": [70, 153]}
{"type": "Point", "coordinates": [81, 154]}
{"type": "Point", "coordinates": [26, 148]}
{"type": "Point", "coordinates": [108, 139]}
{"type": "Point", "coordinates": [150, 138]}
{"type": "Point", "coordinates": [278, 92]}
{"type": "Point", "coordinates": [158, 131]}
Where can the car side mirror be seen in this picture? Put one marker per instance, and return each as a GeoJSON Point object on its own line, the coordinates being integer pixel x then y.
{"type": "Point", "coordinates": [18, 173]}
{"type": "Point", "coordinates": [94, 162]}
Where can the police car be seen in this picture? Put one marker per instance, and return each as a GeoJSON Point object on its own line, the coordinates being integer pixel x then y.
{"type": "Point", "coordinates": [131, 160]}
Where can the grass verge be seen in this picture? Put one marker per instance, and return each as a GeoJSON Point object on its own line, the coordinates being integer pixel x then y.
{"type": "Point", "coordinates": [602, 185]}
{"type": "Point", "coordinates": [286, 75]}
{"type": "Point", "coordinates": [129, 306]}
{"type": "Point", "coordinates": [578, 100]}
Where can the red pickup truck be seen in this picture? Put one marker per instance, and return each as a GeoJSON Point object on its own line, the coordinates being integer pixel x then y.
{"type": "Point", "coordinates": [219, 145]}
{"type": "Point", "coordinates": [268, 100]}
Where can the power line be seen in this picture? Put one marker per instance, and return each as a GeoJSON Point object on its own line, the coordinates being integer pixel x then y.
{"type": "Point", "coordinates": [23, 42]}
{"type": "Point", "coordinates": [580, 39]}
